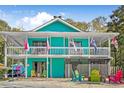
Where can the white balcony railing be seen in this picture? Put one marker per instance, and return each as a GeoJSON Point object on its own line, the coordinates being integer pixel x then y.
{"type": "Point", "coordinates": [101, 51]}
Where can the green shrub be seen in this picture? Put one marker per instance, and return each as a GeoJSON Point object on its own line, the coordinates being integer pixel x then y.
{"type": "Point", "coordinates": [2, 72]}
{"type": "Point", "coordinates": [95, 75]}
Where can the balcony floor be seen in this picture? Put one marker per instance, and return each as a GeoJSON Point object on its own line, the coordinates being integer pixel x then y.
{"type": "Point", "coordinates": [60, 56]}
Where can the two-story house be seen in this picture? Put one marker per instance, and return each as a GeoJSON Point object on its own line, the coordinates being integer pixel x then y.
{"type": "Point", "coordinates": [62, 55]}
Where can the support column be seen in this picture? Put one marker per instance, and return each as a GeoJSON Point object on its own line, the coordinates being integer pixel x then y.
{"type": "Point", "coordinates": [68, 46]}
{"type": "Point", "coordinates": [50, 60]}
{"type": "Point", "coordinates": [26, 67]}
{"type": "Point", "coordinates": [109, 46]}
{"type": "Point", "coordinates": [109, 50]}
{"type": "Point", "coordinates": [68, 65]}
{"type": "Point", "coordinates": [89, 68]}
{"type": "Point", "coordinates": [89, 46]}
{"type": "Point", "coordinates": [89, 55]}
{"type": "Point", "coordinates": [64, 47]}
{"type": "Point", "coordinates": [5, 52]}
{"type": "Point", "coordinates": [68, 70]}
{"type": "Point", "coordinates": [47, 67]}
{"type": "Point", "coordinates": [26, 61]}
{"type": "Point", "coordinates": [50, 67]}
{"type": "Point", "coordinates": [109, 67]}
{"type": "Point", "coordinates": [12, 67]}
{"type": "Point", "coordinates": [47, 60]}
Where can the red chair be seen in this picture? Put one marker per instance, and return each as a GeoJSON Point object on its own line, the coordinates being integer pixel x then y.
{"type": "Point", "coordinates": [117, 77]}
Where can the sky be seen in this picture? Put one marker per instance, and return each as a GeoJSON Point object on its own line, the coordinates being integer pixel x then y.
{"type": "Point", "coordinates": [31, 16]}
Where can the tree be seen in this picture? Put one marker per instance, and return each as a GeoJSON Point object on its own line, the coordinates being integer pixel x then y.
{"type": "Point", "coordinates": [5, 27]}
{"type": "Point", "coordinates": [83, 26]}
{"type": "Point", "coordinates": [98, 24]}
{"type": "Point", "coordinates": [117, 25]}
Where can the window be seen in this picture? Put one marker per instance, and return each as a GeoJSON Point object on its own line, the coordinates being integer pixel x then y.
{"type": "Point", "coordinates": [40, 43]}
{"type": "Point", "coordinates": [77, 44]}
{"type": "Point", "coordinates": [39, 50]}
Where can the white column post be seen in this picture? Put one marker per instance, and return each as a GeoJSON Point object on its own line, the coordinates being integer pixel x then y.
{"type": "Point", "coordinates": [68, 70]}
{"type": "Point", "coordinates": [47, 59]}
{"type": "Point", "coordinates": [64, 45]}
{"type": "Point", "coordinates": [89, 68]}
{"type": "Point", "coordinates": [5, 52]}
{"type": "Point", "coordinates": [89, 46]}
{"type": "Point", "coordinates": [109, 50]}
{"type": "Point", "coordinates": [68, 46]}
{"type": "Point", "coordinates": [109, 46]}
{"type": "Point", "coordinates": [26, 66]}
{"type": "Point", "coordinates": [47, 66]}
{"type": "Point", "coordinates": [50, 60]}
{"type": "Point", "coordinates": [50, 67]}
{"type": "Point", "coordinates": [89, 55]}
{"type": "Point", "coordinates": [12, 67]}
{"type": "Point", "coordinates": [68, 56]}
{"type": "Point", "coordinates": [26, 61]}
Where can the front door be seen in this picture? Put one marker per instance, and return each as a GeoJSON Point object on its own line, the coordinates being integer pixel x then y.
{"type": "Point", "coordinates": [40, 69]}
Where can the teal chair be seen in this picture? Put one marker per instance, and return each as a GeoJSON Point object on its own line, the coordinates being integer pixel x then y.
{"type": "Point", "coordinates": [76, 76]}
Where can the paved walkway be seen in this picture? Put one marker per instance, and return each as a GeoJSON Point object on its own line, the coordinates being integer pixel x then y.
{"type": "Point", "coordinates": [53, 83]}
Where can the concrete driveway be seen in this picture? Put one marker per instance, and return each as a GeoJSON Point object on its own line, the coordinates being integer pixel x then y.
{"type": "Point", "coordinates": [53, 83]}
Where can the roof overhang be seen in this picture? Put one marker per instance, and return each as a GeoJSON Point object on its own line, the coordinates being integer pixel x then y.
{"type": "Point", "coordinates": [21, 36]}
{"type": "Point", "coordinates": [60, 34]}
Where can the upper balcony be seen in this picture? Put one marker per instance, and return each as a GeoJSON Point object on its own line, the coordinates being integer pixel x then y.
{"type": "Point", "coordinates": [15, 42]}
{"type": "Point", "coordinates": [59, 52]}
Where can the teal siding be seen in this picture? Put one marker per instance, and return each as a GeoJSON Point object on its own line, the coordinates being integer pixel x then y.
{"type": "Point", "coordinates": [58, 67]}
{"type": "Point", "coordinates": [57, 42]}
{"type": "Point", "coordinates": [66, 42]}
{"type": "Point", "coordinates": [57, 63]}
{"type": "Point", "coordinates": [57, 26]}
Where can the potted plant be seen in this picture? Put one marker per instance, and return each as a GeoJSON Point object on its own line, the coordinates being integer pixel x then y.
{"type": "Point", "coordinates": [95, 76]}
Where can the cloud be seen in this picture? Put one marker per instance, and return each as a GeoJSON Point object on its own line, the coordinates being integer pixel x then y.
{"type": "Point", "coordinates": [62, 13]}
{"type": "Point", "coordinates": [29, 23]}
{"type": "Point", "coordinates": [4, 16]}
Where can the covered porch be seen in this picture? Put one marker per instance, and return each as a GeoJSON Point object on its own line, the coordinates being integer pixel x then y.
{"type": "Point", "coordinates": [85, 66]}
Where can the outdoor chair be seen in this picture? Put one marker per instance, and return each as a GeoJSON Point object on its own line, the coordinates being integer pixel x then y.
{"type": "Point", "coordinates": [117, 77]}
{"type": "Point", "coordinates": [76, 76]}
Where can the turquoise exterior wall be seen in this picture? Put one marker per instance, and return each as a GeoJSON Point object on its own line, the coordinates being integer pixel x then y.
{"type": "Point", "coordinates": [58, 67]}
{"type": "Point", "coordinates": [57, 42]}
{"type": "Point", "coordinates": [57, 27]}
{"type": "Point", "coordinates": [58, 64]}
